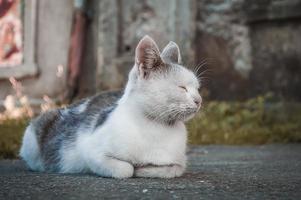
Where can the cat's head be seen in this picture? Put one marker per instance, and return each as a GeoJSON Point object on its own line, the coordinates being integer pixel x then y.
{"type": "Point", "coordinates": [161, 87]}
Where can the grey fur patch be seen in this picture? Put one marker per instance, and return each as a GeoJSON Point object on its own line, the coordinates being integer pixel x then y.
{"type": "Point", "coordinates": [57, 128]}
{"type": "Point", "coordinates": [45, 126]}
{"type": "Point", "coordinates": [104, 115]}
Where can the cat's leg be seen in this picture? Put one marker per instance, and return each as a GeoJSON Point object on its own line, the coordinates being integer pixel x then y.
{"type": "Point", "coordinates": [101, 162]}
{"type": "Point", "coordinates": [165, 171]}
{"type": "Point", "coordinates": [107, 166]}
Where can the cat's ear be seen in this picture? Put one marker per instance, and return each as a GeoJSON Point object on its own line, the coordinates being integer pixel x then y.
{"type": "Point", "coordinates": [147, 56]}
{"type": "Point", "coordinates": [171, 53]}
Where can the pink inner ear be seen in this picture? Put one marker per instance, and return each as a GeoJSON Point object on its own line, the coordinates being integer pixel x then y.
{"type": "Point", "coordinates": [147, 57]}
{"type": "Point", "coordinates": [146, 50]}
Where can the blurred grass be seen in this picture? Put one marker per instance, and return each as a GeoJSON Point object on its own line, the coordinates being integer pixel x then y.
{"type": "Point", "coordinates": [11, 132]}
{"type": "Point", "coordinates": [256, 121]}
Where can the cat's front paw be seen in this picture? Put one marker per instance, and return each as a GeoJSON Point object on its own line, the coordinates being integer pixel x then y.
{"type": "Point", "coordinates": [124, 171]}
{"type": "Point", "coordinates": [176, 171]}
{"type": "Point", "coordinates": [166, 171]}
{"type": "Point", "coordinates": [108, 166]}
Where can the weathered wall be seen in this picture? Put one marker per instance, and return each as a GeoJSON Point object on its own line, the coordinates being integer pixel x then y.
{"type": "Point", "coordinates": [277, 63]}
{"type": "Point", "coordinates": [119, 25]}
{"type": "Point", "coordinates": [275, 29]}
{"type": "Point", "coordinates": [251, 46]}
{"type": "Point", "coordinates": [222, 38]}
{"type": "Point", "coordinates": [254, 47]}
{"type": "Point", "coordinates": [238, 40]}
{"type": "Point", "coordinates": [54, 20]}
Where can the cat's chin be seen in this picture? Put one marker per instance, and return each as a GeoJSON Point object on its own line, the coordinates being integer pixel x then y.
{"type": "Point", "coordinates": [189, 117]}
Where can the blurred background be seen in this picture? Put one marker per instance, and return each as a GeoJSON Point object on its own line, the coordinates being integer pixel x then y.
{"type": "Point", "coordinates": [53, 52]}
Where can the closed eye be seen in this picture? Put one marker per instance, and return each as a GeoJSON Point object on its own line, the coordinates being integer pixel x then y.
{"type": "Point", "coordinates": [183, 87]}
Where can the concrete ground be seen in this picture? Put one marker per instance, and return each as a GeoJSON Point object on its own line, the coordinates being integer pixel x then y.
{"type": "Point", "coordinates": [215, 172]}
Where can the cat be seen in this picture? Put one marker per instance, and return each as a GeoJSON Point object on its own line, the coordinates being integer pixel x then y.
{"type": "Point", "coordinates": [140, 133]}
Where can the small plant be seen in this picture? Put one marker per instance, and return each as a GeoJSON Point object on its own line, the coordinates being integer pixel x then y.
{"type": "Point", "coordinates": [11, 132]}
{"type": "Point", "coordinates": [15, 117]}
{"type": "Point", "coordinates": [16, 106]}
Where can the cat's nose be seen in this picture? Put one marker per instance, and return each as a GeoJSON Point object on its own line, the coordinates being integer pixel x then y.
{"type": "Point", "coordinates": [198, 101]}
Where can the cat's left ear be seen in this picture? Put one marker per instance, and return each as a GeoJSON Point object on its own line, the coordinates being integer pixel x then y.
{"type": "Point", "coordinates": [171, 53]}
{"type": "Point", "coordinates": [147, 57]}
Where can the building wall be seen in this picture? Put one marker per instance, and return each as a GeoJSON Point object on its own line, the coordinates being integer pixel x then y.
{"type": "Point", "coordinates": [254, 47]}
{"type": "Point", "coordinates": [121, 24]}
{"type": "Point", "coordinates": [237, 39]}
{"type": "Point", "coordinates": [251, 46]}
{"type": "Point", "coordinates": [53, 27]}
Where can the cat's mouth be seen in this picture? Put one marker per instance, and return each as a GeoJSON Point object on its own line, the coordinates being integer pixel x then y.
{"type": "Point", "coordinates": [188, 114]}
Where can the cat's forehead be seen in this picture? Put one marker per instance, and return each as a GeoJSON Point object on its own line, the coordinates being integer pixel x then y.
{"type": "Point", "coordinates": [184, 75]}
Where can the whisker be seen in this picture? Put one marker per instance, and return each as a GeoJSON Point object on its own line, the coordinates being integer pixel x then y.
{"type": "Point", "coordinates": [205, 71]}
{"type": "Point", "coordinates": [200, 66]}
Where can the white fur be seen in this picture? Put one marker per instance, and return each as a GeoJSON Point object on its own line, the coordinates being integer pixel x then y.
{"type": "Point", "coordinates": [30, 151]}
{"type": "Point", "coordinates": [128, 139]}
{"type": "Point", "coordinates": [71, 160]}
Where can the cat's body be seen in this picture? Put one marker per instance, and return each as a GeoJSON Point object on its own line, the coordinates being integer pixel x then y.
{"type": "Point", "coordinates": [140, 134]}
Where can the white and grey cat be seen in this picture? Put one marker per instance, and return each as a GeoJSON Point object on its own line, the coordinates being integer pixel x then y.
{"type": "Point", "coordinates": [141, 134]}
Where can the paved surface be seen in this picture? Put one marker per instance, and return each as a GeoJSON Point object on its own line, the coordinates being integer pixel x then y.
{"type": "Point", "coordinates": [215, 172]}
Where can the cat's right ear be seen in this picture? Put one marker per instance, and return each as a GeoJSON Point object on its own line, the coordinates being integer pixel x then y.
{"type": "Point", "coordinates": [171, 53]}
{"type": "Point", "coordinates": [147, 56]}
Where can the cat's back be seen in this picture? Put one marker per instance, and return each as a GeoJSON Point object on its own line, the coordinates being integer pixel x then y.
{"type": "Point", "coordinates": [86, 112]}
